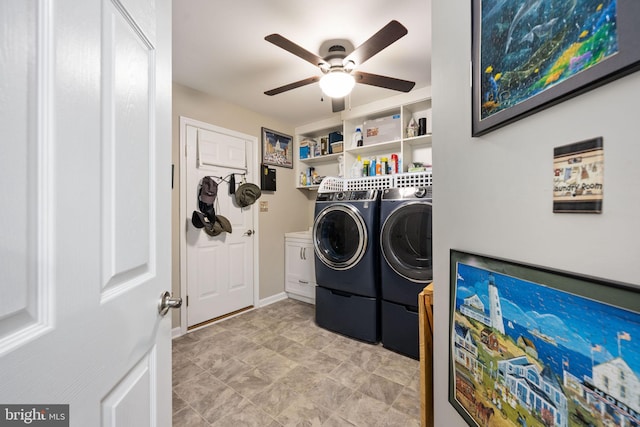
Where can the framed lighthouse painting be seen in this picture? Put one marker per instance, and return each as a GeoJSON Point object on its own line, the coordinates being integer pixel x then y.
{"type": "Point", "coordinates": [534, 346]}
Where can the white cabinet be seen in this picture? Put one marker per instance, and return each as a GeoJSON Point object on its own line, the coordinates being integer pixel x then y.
{"type": "Point", "coordinates": [415, 104]}
{"type": "Point", "coordinates": [300, 273]}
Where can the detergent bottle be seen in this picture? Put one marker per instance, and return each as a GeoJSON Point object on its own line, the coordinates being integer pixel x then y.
{"type": "Point", "coordinates": [356, 169]}
{"type": "Point", "coordinates": [357, 138]}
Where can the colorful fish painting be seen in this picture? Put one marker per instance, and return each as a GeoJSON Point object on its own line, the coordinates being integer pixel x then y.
{"type": "Point", "coordinates": [529, 46]}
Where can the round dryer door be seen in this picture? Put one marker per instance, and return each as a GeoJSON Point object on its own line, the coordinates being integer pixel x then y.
{"type": "Point", "coordinates": [340, 236]}
{"type": "Point", "coordinates": [406, 242]}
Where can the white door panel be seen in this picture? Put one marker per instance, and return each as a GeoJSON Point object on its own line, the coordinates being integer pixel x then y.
{"type": "Point", "coordinates": [127, 190]}
{"type": "Point", "coordinates": [85, 224]}
{"type": "Point", "coordinates": [129, 403]}
{"type": "Point", "coordinates": [219, 149]}
{"type": "Point", "coordinates": [25, 306]}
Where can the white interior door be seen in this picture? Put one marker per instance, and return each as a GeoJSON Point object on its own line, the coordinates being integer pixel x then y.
{"type": "Point", "coordinates": [219, 269]}
{"type": "Point", "coordinates": [85, 219]}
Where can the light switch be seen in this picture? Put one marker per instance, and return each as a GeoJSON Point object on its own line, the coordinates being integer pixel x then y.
{"type": "Point", "coordinates": [264, 206]}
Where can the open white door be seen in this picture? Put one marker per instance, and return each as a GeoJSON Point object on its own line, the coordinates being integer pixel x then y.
{"type": "Point", "coordinates": [85, 166]}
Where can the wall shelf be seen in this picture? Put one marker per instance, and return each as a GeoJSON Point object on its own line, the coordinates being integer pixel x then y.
{"type": "Point", "coordinates": [320, 159]}
{"type": "Point", "coordinates": [415, 104]}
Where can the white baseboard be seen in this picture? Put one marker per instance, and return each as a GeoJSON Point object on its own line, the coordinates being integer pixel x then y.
{"type": "Point", "coordinates": [272, 299]}
{"type": "Point", "coordinates": [302, 298]}
{"type": "Point", "coordinates": [176, 332]}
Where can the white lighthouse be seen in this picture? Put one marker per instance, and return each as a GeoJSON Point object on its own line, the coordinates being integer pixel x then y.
{"type": "Point", "coordinates": [495, 310]}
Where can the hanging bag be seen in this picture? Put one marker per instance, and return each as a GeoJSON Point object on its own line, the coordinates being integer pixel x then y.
{"type": "Point", "coordinates": [206, 217]}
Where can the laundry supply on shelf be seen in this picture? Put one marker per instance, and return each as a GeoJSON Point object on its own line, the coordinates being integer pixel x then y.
{"type": "Point", "coordinates": [394, 164]}
{"type": "Point", "coordinates": [365, 167]}
{"type": "Point", "coordinates": [357, 138]}
{"type": "Point", "coordinates": [356, 169]}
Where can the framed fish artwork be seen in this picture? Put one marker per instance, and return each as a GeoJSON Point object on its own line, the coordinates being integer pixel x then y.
{"type": "Point", "coordinates": [537, 347]}
{"type": "Point", "coordinates": [528, 55]}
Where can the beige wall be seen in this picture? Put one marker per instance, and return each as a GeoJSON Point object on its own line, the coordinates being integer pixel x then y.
{"type": "Point", "coordinates": [493, 194]}
{"type": "Point", "coordinates": [290, 209]}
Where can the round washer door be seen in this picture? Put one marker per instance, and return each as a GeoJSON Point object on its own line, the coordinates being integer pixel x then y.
{"type": "Point", "coordinates": [339, 236]}
{"type": "Point", "coordinates": [406, 243]}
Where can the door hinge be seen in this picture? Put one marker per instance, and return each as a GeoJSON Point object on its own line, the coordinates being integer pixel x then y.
{"type": "Point", "coordinates": [187, 300]}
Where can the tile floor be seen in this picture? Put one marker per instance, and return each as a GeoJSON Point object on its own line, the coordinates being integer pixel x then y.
{"type": "Point", "coordinates": [274, 367]}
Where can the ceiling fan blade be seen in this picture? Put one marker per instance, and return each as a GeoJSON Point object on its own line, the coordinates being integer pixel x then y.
{"type": "Point", "coordinates": [380, 40]}
{"type": "Point", "coordinates": [383, 81]}
{"type": "Point", "coordinates": [298, 51]}
{"type": "Point", "coordinates": [337, 104]}
{"type": "Point", "coordinates": [293, 85]}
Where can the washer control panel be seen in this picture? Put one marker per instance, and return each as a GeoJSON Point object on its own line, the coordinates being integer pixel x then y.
{"type": "Point", "coordinates": [364, 195]}
{"type": "Point", "coordinates": [339, 196]}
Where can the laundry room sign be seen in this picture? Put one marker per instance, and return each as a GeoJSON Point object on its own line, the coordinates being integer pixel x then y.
{"type": "Point", "coordinates": [578, 175]}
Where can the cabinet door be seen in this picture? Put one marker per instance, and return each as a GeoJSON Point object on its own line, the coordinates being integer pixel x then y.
{"type": "Point", "coordinates": [300, 269]}
{"type": "Point", "coordinates": [309, 261]}
{"type": "Point", "coordinates": [299, 262]}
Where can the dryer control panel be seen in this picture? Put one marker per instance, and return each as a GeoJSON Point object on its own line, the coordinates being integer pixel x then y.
{"type": "Point", "coordinates": [407, 193]}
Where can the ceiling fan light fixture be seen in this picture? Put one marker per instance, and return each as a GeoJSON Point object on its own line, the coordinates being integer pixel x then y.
{"type": "Point", "coordinates": [348, 66]}
{"type": "Point", "coordinates": [337, 84]}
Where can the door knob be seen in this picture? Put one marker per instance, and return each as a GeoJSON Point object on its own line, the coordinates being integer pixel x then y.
{"type": "Point", "coordinates": [167, 302]}
{"type": "Point", "coordinates": [248, 233]}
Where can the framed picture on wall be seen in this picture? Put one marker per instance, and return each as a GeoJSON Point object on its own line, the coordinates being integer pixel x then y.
{"type": "Point", "coordinates": [528, 54]}
{"type": "Point", "coordinates": [535, 346]}
{"type": "Point", "coordinates": [277, 148]}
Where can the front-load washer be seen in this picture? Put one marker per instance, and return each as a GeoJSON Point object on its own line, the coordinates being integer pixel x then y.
{"type": "Point", "coordinates": [345, 239]}
{"type": "Point", "coordinates": [406, 266]}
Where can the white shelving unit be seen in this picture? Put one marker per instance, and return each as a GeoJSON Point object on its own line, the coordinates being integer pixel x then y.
{"type": "Point", "coordinates": [327, 165]}
{"type": "Point", "coordinates": [415, 104]}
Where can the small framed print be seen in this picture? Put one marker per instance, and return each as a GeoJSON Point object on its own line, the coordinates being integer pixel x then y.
{"type": "Point", "coordinates": [277, 149]}
{"type": "Point", "coordinates": [578, 177]}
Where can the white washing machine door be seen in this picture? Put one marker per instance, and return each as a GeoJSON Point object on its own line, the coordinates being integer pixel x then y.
{"type": "Point", "coordinates": [406, 242]}
{"type": "Point", "coordinates": [339, 236]}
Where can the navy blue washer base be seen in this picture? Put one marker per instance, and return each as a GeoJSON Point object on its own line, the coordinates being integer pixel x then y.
{"type": "Point", "coordinates": [351, 315]}
{"type": "Point", "coordinates": [400, 329]}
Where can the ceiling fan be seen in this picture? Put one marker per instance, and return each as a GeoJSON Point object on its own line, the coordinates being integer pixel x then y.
{"type": "Point", "coordinates": [339, 65]}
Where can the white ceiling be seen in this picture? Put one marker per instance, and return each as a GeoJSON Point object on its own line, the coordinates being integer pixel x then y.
{"type": "Point", "coordinates": [219, 48]}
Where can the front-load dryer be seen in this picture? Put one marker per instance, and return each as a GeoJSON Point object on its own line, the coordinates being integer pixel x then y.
{"type": "Point", "coordinates": [345, 238]}
{"type": "Point", "coordinates": [406, 264]}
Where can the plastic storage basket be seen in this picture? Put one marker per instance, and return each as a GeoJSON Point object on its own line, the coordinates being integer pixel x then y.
{"type": "Point", "coordinates": [378, 182]}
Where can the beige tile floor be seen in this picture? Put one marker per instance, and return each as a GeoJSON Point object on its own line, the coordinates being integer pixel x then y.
{"type": "Point", "coordinates": [274, 367]}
